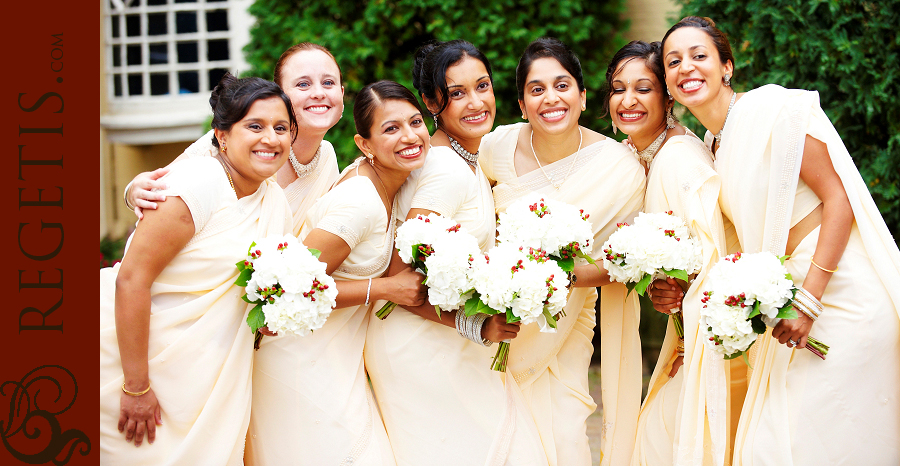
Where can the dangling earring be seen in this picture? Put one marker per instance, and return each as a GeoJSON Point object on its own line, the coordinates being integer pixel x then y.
{"type": "Point", "coordinates": [371, 159]}
{"type": "Point", "coordinates": [615, 130]}
{"type": "Point", "coordinates": [224, 149]}
{"type": "Point", "coordinates": [727, 80]}
{"type": "Point", "coordinates": [670, 118]}
{"type": "Point", "coordinates": [435, 115]}
{"type": "Point", "coordinates": [669, 93]}
{"type": "Point", "coordinates": [583, 107]}
{"type": "Point", "coordinates": [524, 117]}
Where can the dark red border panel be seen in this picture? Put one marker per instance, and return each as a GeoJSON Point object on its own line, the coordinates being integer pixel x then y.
{"type": "Point", "coordinates": [49, 195]}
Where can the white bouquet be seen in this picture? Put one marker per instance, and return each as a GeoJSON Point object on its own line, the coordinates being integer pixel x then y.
{"type": "Point", "coordinates": [522, 283]}
{"type": "Point", "coordinates": [745, 293]}
{"type": "Point", "coordinates": [442, 250]}
{"type": "Point", "coordinates": [288, 284]}
{"type": "Point", "coordinates": [561, 230]}
{"type": "Point", "coordinates": [656, 246]}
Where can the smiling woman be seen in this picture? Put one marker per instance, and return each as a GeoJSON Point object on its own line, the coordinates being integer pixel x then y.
{"type": "Point", "coordinates": [173, 344]}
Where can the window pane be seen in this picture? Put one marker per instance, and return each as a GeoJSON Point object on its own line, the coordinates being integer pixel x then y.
{"type": "Point", "coordinates": [215, 75]}
{"type": "Point", "coordinates": [132, 25]}
{"type": "Point", "coordinates": [217, 20]}
{"type": "Point", "coordinates": [159, 83]}
{"type": "Point", "coordinates": [117, 55]}
{"type": "Point", "coordinates": [185, 22]}
{"type": "Point", "coordinates": [157, 24]}
{"type": "Point", "coordinates": [156, 2]}
{"type": "Point", "coordinates": [133, 54]}
{"type": "Point", "coordinates": [135, 84]}
{"type": "Point", "coordinates": [185, 1]}
{"type": "Point", "coordinates": [211, 1]}
{"type": "Point", "coordinates": [117, 85]}
{"type": "Point", "coordinates": [159, 54]}
{"type": "Point", "coordinates": [114, 22]}
{"type": "Point", "coordinates": [217, 50]}
{"type": "Point", "coordinates": [133, 3]}
{"type": "Point", "coordinates": [188, 82]}
{"type": "Point", "coordinates": [187, 52]}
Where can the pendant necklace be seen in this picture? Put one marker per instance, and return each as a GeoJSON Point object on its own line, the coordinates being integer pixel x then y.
{"type": "Point", "coordinates": [303, 170]}
{"type": "Point", "coordinates": [470, 158]}
{"type": "Point", "coordinates": [568, 172]}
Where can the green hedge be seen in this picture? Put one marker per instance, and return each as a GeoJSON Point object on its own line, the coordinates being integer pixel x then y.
{"type": "Point", "coordinates": [376, 40]}
{"type": "Point", "coordinates": [848, 50]}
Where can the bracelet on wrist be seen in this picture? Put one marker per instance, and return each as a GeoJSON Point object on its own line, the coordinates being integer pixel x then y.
{"type": "Point", "coordinates": [130, 393]}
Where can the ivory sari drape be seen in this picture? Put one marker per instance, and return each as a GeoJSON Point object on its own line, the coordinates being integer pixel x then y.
{"type": "Point", "coordinates": [201, 350]}
{"type": "Point", "coordinates": [441, 403]}
{"type": "Point", "coordinates": [311, 399]}
{"type": "Point", "coordinates": [683, 419]}
{"type": "Point", "coordinates": [801, 410]}
{"type": "Point", "coordinates": [606, 181]}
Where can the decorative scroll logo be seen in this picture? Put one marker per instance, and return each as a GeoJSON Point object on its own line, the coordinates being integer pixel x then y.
{"type": "Point", "coordinates": [31, 432]}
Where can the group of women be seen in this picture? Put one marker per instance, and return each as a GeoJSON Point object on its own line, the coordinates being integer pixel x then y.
{"type": "Point", "coordinates": [176, 361]}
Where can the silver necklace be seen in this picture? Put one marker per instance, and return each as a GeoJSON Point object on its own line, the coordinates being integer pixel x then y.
{"type": "Point", "coordinates": [303, 170]}
{"type": "Point", "coordinates": [568, 172]}
{"type": "Point", "coordinates": [470, 158]}
{"type": "Point", "coordinates": [719, 134]}
{"type": "Point", "coordinates": [647, 154]}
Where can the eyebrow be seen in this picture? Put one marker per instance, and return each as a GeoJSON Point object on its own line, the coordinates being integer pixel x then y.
{"type": "Point", "coordinates": [618, 80]}
{"type": "Point", "coordinates": [460, 85]}
{"type": "Point", "coordinates": [690, 49]}
{"type": "Point", "coordinates": [306, 76]}
{"type": "Point", "coordinates": [417, 114]}
{"type": "Point", "coordinates": [558, 78]}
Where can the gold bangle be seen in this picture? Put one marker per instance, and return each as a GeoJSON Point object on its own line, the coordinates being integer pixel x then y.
{"type": "Point", "coordinates": [822, 268]}
{"type": "Point", "coordinates": [135, 393]}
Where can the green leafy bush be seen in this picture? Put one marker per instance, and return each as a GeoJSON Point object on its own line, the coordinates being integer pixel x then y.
{"type": "Point", "coordinates": [376, 40]}
{"type": "Point", "coordinates": [848, 50]}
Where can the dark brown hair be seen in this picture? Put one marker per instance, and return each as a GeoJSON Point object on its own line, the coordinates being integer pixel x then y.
{"type": "Point", "coordinates": [303, 46]}
{"type": "Point", "coordinates": [547, 47]}
{"type": "Point", "coordinates": [719, 39]}
{"type": "Point", "coordinates": [232, 98]}
{"type": "Point", "coordinates": [374, 95]}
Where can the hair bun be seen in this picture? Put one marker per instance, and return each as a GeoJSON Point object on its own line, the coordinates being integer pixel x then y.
{"type": "Point", "coordinates": [419, 62]}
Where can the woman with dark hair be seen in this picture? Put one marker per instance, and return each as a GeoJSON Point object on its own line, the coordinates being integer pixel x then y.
{"type": "Point", "coordinates": [312, 79]}
{"type": "Point", "coordinates": [555, 156]}
{"type": "Point", "coordinates": [440, 402]}
{"type": "Point", "coordinates": [674, 419]}
{"type": "Point", "coordinates": [790, 187]}
{"type": "Point", "coordinates": [317, 406]}
{"type": "Point", "coordinates": [174, 346]}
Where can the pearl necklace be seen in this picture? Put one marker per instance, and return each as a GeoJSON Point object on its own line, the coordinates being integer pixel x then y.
{"type": "Point", "coordinates": [470, 158]}
{"type": "Point", "coordinates": [303, 170]}
{"type": "Point", "coordinates": [568, 172]}
{"type": "Point", "coordinates": [647, 154]}
{"type": "Point", "coordinates": [719, 134]}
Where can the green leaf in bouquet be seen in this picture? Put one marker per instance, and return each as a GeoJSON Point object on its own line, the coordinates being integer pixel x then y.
{"type": "Point", "coordinates": [758, 325]}
{"type": "Point", "coordinates": [256, 318]}
{"type": "Point", "coordinates": [472, 304]}
{"type": "Point", "coordinates": [510, 317]}
{"type": "Point", "coordinates": [641, 286]}
{"type": "Point", "coordinates": [567, 265]}
{"type": "Point", "coordinates": [629, 286]}
{"type": "Point", "coordinates": [787, 312]}
{"type": "Point", "coordinates": [247, 300]}
{"type": "Point", "coordinates": [315, 252]}
{"type": "Point", "coordinates": [746, 358]}
{"type": "Point", "coordinates": [754, 311]}
{"type": "Point", "coordinates": [551, 321]}
{"type": "Point", "coordinates": [244, 277]}
{"type": "Point", "coordinates": [782, 259]}
{"type": "Point", "coordinates": [732, 356]}
{"type": "Point", "coordinates": [252, 245]}
{"type": "Point", "coordinates": [677, 273]}
{"type": "Point", "coordinates": [240, 265]}
{"type": "Point", "coordinates": [438, 310]}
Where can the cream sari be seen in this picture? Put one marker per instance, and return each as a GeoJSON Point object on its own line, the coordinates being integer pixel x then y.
{"type": "Point", "coordinates": [201, 350]}
{"type": "Point", "coordinates": [793, 397]}
{"type": "Point", "coordinates": [441, 403]}
{"type": "Point", "coordinates": [683, 419]}
{"type": "Point", "coordinates": [551, 368]}
{"type": "Point", "coordinates": [311, 399]}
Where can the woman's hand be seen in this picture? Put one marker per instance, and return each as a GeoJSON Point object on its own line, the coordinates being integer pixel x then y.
{"type": "Point", "coordinates": [141, 194]}
{"type": "Point", "coordinates": [139, 415]}
{"type": "Point", "coordinates": [666, 295]}
{"type": "Point", "coordinates": [676, 364]}
{"type": "Point", "coordinates": [793, 330]}
{"type": "Point", "coordinates": [496, 329]}
{"type": "Point", "coordinates": [406, 288]}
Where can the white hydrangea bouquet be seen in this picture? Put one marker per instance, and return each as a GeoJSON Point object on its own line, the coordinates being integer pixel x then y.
{"type": "Point", "coordinates": [745, 293]}
{"type": "Point", "coordinates": [287, 283]}
{"type": "Point", "coordinates": [442, 250]}
{"type": "Point", "coordinates": [524, 284]}
{"type": "Point", "coordinates": [656, 246]}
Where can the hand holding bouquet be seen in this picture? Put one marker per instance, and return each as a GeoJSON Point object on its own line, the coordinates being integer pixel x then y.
{"type": "Point", "coordinates": [522, 283]}
{"type": "Point", "coordinates": [442, 250]}
{"type": "Point", "coordinates": [746, 293]}
{"type": "Point", "coordinates": [288, 284]}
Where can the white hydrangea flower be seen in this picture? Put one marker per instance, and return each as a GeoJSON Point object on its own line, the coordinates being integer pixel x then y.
{"type": "Point", "coordinates": [539, 222]}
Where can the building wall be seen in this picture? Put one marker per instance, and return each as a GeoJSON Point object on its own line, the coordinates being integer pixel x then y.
{"type": "Point", "coordinates": [650, 19]}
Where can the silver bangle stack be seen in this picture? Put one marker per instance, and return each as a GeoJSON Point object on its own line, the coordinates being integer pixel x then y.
{"type": "Point", "coordinates": [469, 327]}
{"type": "Point", "coordinates": [806, 303]}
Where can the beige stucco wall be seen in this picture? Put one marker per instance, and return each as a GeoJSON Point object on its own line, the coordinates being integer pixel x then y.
{"type": "Point", "coordinates": [650, 19]}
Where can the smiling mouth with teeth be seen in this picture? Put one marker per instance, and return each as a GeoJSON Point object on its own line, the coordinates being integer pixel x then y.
{"type": "Point", "coordinates": [410, 151]}
{"type": "Point", "coordinates": [553, 114]}
{"type": "Point", "coordinates": [476, 117]}
{"type": "Point", "coordinates": [691, 85]}
{"type": "Point", "coordinates": [631, 115]}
